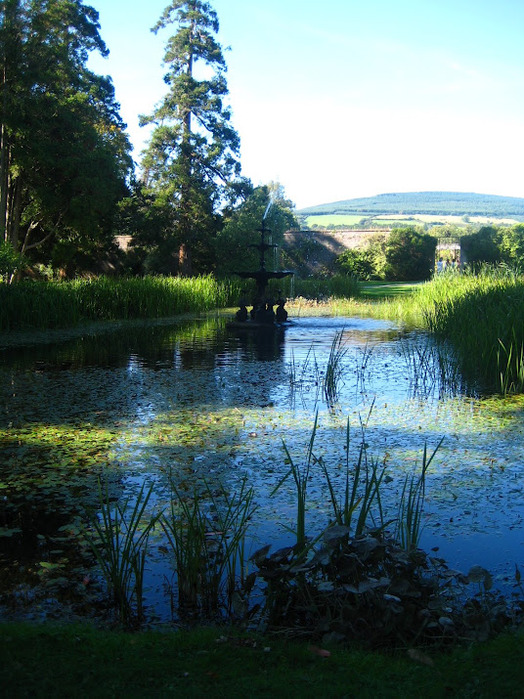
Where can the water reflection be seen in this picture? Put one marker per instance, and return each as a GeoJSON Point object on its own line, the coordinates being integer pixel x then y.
{"type": "Point", "coordinates": [208, 403]}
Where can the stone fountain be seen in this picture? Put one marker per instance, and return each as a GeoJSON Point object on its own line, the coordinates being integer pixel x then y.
{"type": "Point", "coordinates": [262, 312]}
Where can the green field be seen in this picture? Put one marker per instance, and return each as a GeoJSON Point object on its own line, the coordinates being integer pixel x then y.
{"type": "Point", "coordinates": [325, 220]}
{"type": "Point", "coordinates": [369, 220]}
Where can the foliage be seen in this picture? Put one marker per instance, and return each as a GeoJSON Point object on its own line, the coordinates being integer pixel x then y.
{"type": "Point", "coordinates": [359, 262]}
{"type": "Point", "coordinates": [481, 247]}
{"type": "Point", "coordinates": [511, 246]}
{"type": "Point", "coordinates": [409, 255]}
{"type": "Point", "coordinates": [191, 162]}
{"type": "Point", "coordinates": [242, 225]}
{"type": "Point", "coordinates": [45, 305]}
{"type": "Point", "coordinates": [64, 156]}
{"type": "Point", "coordinates": [10, 261]}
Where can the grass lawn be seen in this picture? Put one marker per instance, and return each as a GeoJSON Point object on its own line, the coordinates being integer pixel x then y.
{"type": "Point", "coordinates": [381, 290]}
{"type": "Point", "coordinates": [66, 661]}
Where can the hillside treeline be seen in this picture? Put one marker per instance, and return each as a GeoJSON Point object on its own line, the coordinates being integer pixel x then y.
{"type": "Point", "coordinates": [436, 203]}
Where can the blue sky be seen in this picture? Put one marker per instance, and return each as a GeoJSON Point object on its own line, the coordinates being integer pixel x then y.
{"type": "Point", "coordinates": [350, 98]}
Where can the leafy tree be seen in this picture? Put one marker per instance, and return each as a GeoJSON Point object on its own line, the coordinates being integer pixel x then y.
{"type": "Point", "coordinates": [191, 162]}
{"type": "Point", "coordinates": [64, 156]}
{"type": "Point", "coordinates": [482, 246]}
{"type": "Point", "coordinates": [409, 255]}
{"type": "Point", "coordinates": [145, 218]}
{"type": "Point", "coordinates": [359, 262]}
{"type": "Point", "coordinates": [266, 204]}
{"type": "Point", "coordinates": [511, 245]}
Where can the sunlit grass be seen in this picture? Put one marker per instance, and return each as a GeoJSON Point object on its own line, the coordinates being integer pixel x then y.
{"type": "Point", "coordinates": [44, 305]}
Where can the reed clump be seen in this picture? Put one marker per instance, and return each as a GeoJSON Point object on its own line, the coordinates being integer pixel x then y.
{"type": "Point", "coordinates": [482, 315]}
{"type": "Point", "coordinates": [119, 541]}
{"type": "Point", "coordinates": [206, 534]}
{"type": "Point", "coordinates": [43, 305]}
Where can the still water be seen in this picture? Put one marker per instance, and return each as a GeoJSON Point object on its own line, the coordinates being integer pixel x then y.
{"type": "Point", "coordinates": [198, 402]}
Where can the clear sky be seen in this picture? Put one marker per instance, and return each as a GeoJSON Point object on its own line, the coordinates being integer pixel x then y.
{"type": "Point", "coordinates": [348, 98]}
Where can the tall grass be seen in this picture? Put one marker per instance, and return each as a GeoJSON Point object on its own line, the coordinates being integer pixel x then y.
{"type": "Point", "coordinates": [43, 305]}
{"type": "Point", "coordinates": [483, 317]}
{"type": "Point", "coordinates": [119, 544]}
{"type": "Point", "coordinates": [334, 369]}
{"type": "Point", "coordinates": [206, 533]}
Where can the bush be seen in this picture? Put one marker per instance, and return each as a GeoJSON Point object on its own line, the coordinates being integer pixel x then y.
{"type": "Point", "coordinates": [481, 247]}
{"type": "Point", "coordinates": [10, 261]}
{"type": "Point", "coordinates": [409, 255]}
{"type": "Point", "coordinates": [360, 263]}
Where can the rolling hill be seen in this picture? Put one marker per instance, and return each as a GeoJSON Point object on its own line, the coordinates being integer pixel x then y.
{"type": "Point", "coordinates": [436, 203]}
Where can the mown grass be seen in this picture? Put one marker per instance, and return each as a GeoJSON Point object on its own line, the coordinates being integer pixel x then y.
{"type": "Point", "coordinates": [45, 305]}
{"type": "Point", "coordinates": [46, 660]}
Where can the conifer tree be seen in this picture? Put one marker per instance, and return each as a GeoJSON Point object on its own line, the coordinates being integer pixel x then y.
{"type": "Point", "coordinates": [191, 161]}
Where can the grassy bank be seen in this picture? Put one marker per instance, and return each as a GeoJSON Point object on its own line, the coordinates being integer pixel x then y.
{"type": "Point", "coordinates": [43, 661]}
{"type": "Point", "coordinates": [46, 305]}
{"type": "Point", "coordinates": [483, 317]}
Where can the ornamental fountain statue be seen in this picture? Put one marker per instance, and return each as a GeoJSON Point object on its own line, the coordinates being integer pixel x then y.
{"type": "Point", "coordinates": [262, 313]}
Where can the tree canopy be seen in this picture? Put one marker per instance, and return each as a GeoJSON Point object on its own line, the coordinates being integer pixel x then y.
{"type": "Point", "coordinates": [64, 156]}
{"type": "Point", "coordinates": [242, 228]}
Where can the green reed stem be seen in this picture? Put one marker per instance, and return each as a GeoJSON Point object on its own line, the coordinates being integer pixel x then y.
{"type": "Point", "coordinates": [120, 548]}
{"type": "Point", "coordinates": [409, 519]}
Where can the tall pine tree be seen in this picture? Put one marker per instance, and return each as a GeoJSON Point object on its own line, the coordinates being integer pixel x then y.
{"type": "Point", "coordinates": [191, 162]}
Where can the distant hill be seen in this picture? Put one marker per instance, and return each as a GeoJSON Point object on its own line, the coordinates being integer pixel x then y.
{"type": "Point", "coordinates": [437, 203]}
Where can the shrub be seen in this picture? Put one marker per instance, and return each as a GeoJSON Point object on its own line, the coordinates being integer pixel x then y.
{"type": "Point", "coordinates": [409, 254]}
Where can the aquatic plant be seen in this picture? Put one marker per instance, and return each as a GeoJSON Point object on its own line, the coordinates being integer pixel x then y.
{"type": "Point", "coordinates": [120, 548]}
{"type": "Point", "coordinates": [45, 305]}
{"type": "Point", "coordinates": [409, 519]}
{"type": "Point", "coordinates": [482, 315]}
{"type": "Point", "coordinates": [361, 490]}
{"type": "Point", "coordinates": [334, 369]}
{"type": "Point", "coordinates": [206, 533]}
{"type": "Point", "coordinates": [300, 475]}
{"type": "Point", "coordinates": [510, 363]}
{"type": "Point", "coordinates": [355, 580]}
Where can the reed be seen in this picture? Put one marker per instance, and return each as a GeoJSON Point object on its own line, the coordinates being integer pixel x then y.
{"type": "Point", "coordinates": [334, 369]}
{"type": "Point", "coordinates": [300, 475]}
{"type": "Point", "coordinates": [120, 548]}
{"type": "Point", "coordinates": [361, 490]}
{"type": "Point", "coordinates": [43, 305]}
{"type": "Point", "coordinates": [206, 533]}
{"type": "Point", "coordinates": [482, 316]}
{"type": "Point", "coordinates": [411, 505]}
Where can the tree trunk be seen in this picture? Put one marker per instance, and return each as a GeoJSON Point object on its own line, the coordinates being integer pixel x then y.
{"type": "Point", "coordinates": [184, 260]}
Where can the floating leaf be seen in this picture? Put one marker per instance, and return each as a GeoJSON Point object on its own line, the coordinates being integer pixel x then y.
{"type": "Point", "coordinates": [9, 531]}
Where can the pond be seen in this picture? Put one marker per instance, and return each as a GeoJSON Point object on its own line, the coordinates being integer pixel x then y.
{"type": "Point", "coordinates": [192, 402]}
